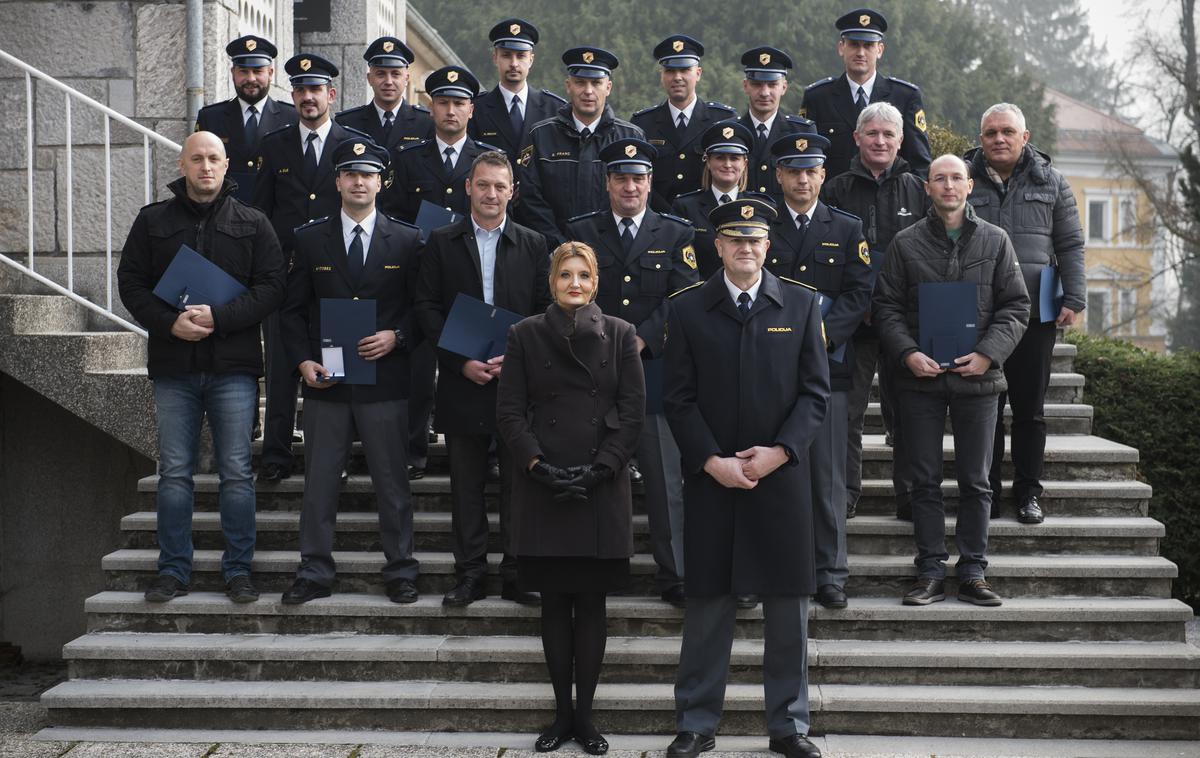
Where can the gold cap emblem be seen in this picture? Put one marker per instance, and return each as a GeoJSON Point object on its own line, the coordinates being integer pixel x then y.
{"type": "Point", "coordinates": [251, 44]}
{"type": "Point", "coordinates": [588, 57]}
{"type": "Point", "coordinates": [802, 145]}
{"type": "Point", "coordinates": [305, 64]}
{"type": "Point", "coordinates": [727, 132]}
{"type": "Point", "coordinates": [452, 76]}
{"type": "Point", "coordinates": [764, 58]}
{"type": "Point", "coordinates": [631, 150]}
{"type": "Point", "coordinates": [747, 212]}
{"type": "Point", "coordinates": [864, 20]}
{"type": "Point", "coordinates": [389, 46]}
{"type": "Point", "coordinates": [359, 148]}
{"type": "Point", "coordinates": [514, 29]}
{"type": "Point", "coordinates": [677, 45]}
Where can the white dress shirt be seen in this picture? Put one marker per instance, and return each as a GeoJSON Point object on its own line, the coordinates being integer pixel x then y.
{"type": "Point", "coordinates": [458, 148]}
{"type": "Point", "coordinates": [735, 291]}
{"type": "Point", "coordinates": [487, 242]}
{"type": "Point", "coordinates": [368, 229]}
{"type": "Point", "coordinates": [318, 144]}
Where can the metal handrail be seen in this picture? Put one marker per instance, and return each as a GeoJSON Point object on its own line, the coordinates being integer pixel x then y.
{"type": "Point", "coordinates": [110, 115]}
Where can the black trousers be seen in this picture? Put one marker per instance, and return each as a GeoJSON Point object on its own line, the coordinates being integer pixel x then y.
{"type": "Point", "coordinates": [468, 454]}
{"type": "Point", "coordinates": [282, 385]}
{"type": "Point", "coordinates": [1028, 373]}
{"type": "Point", "coordinates": [422, 367]}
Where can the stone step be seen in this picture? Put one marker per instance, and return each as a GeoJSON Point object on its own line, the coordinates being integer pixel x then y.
{"type": "Point", "coordinates": [634, 660]}
{"type": "Point", "coordinates": [1061, 418]}
{"type": "Point", "coordinates": [1055, 711]}
{"type": "Point", "coordinates": [40, 314]}
{"type": "Point", "coordinates": [870, 575]}
{"type": "Point", "coordinates": [279, 530]}
{"type": "Point", "coordinates": [1034, 619]}
{"type": "Point", "coordinates": [1065, 387]}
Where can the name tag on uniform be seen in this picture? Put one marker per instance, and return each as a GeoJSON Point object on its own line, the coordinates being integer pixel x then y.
{"type": "Point", "coordinates": [779, 329]}
{"type": "Point", "coordinates": [322, 268]}
{"type": "Point", "coordinates": [831, 244]}
{"type": "Point", "coordinates": [656, 252]}
{"type": "Point", "coordinates": [281, 170]}
{"type": "Point", "coordinates": [488, 134]}
{"type": "Point", "coordinates": [391, 268]}
{"type": "Point", "coordinates": [658, 142]}
{"type": "Point", "coordinates": [410, 139]}
{"type": "Point", "coordinates": [562, 154]}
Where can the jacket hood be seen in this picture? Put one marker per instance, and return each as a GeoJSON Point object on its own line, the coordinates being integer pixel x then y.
{"type": "Point", "coordinates": [179, 188]}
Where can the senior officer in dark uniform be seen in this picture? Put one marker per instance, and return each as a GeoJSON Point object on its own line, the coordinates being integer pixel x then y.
{"type": "Point", "coordinates": [561, 172]}
{"type": "Point", "coordinates": [765, 83]}
{"type": "Point", "coordinates": [295, 185]}
{"type": "Point", "coordinates": [747, 386]}
{"type": "Point", "coordinates": [241, 122]}
{"type": "Point", "coordinates": [644, 256]}
{"type": "Point", "coordinates": [355, 253]}
{"type": "Point", "coordinates": [505, 114]}
{"type": "Point", "coordinates": [835, 102]}
{"type": "Point", "coordinates": [824, 248]}
{"type": "Point", "coordinates": [391, 122]}
{"type": "Point", "coordinates": [676, 125]}
{"type": "Point", "coordinates": [726, 147]}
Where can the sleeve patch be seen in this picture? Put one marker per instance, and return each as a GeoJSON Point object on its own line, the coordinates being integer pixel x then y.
{"type": "Point", "coordinates": [526, 156]}
{"type": "Point", "coordinates": [689, 256]}
{"type": "Point", "coordinates": [919, 119]}
{"type": "Point", "coordinates": [864, 254]}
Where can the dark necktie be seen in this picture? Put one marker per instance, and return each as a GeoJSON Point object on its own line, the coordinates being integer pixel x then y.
{"type": "Point", "coordinates": [449, 164]}
{"type": "Point", "coordinates": [744, 305]}
{"type": "Point", "coordinates": [388, 121]}
{"type": "Point", "coordinates": [627, 234]}
{"type": "Point", "coordinates": [681, 123]}
{"type": "Point", "coordinates": [861, 101]}
{"type": "Point", "coordinates": [802, 227]}
{"type": "Point", "coordinates": [310, 159]}
{"type": "Point", "coordinates": [585, 133]}
{"type": "Point", "coordinates": [762, 132]}
{"type": "Point", "coordinates": [514, 115]}
{"type": "Point", "coordinates": [252, 126]}
{"type": "Point", "coordinates": [354, 255]}
{"type": "Point", "coordinates": [723, 199]}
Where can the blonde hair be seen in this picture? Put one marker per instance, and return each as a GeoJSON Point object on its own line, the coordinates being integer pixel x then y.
{"type": "Point", "coordinates": [706, 175]}
{"type": "Point", "coordinates": [574, 250]}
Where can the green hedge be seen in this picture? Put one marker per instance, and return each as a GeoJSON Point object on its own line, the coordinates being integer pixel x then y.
{"type": "Point", "coordinates": [1152, 402]}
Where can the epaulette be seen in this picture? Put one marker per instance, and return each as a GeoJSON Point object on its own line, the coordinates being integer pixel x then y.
{"type": "Point", "coordinates": [690, 193]}
{"type": "Point", "coordinates": [841, 212]}
{"type": "Point", "coordinates": [485, 146]}
{"type": "Point", "coordinates": [722, 106]}
{"type": "Point", "coordinates": [402, 222]}
{"type": "Point", "coordinates": [584, 215]}
{"type": "Point", "coordinates": [349, 111]}
{"type": "Point", "coordinates": [357, 132]}
{"type": "Point", "coordinates": [283, 128]}
{"type": "Point", "coordinates": [412, 145]}
{"type": "Point", "coordinates": [647, 110]}
{"type": "Point", "coordinates": [901, 81]}
{"type": "Point", "coordinates": [314, 222]}
{"type": "Point", "coordinates": [819, 83]}
{"type": "Point", "coordinates": [673, 217]}
{"type": "Point", "coordinates": [210, 106]}
{"type": "Point", "coordinates": [555, 96]}
{"type": "Point", "coordinates": [685, 289]}
{"type": "Point", "coordinates": [419, 108]}
{"type": "Point", "coordinates": [793, 281]}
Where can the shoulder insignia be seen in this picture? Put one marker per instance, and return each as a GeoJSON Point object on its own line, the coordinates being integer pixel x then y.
{"type": "Point", "coordinates": [357, 132]}
{"type": "Point", "coordinates": [689, 256]}
{"type": "Point", "coordinates": [348, 112]}
{"type": "Point", "coordinates": [690, 193]}
{"type": "Point", "coordinates": [402, 222]}
{"type": "Point", "coordinates": [525, 156]}
{"type": "Point", "coordinates": [685, 289]}
{"type": "Point", "coordinates": [675, 218]}
{"type": "Point", "coordinates": [647, 109]}
{"type": "Point", "coordinates": [554, 96]}
{"type": "Point", "coordinates": [901, 81]}
{"type": "Point", "coordinates": [864, 253]}
{"type": "Point", "coordinates": [419, 108]}
{"type": "Point", "coordinates": [412, 146]}
{"type": "Point", "coordinates": [583, 216]}
{"type": "Point", "coordinates": [819, 83]}
{"type": "Point", "coordinates": [280, 130]}
{"type": "Point", "coordinates": [919, 119]}
{"type": "Point", "coordinates": [485, 146]}
{"type": "Point", "coordinates": [841, 212]}
{"type": "Point", "coordinates": [721, 107]}
{"type": "Point", "coordinates": [314, 222]}
{"type": "Point", "coordinates": [793, 281]}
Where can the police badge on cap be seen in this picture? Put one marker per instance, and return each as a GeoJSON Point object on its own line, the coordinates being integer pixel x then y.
{"type": "Point", "coordinates": [452, 81]}
{"type": "Point", "coordinates": [251, 52]}
{"type": "Point", "coordinates": [514, 34]}
{"type": "Point", "coordinates": [629, 156]}
{"type": "Point", "coordinates": [306, 69]}
{"type": "Point", "coordinates": [360, 155]}
{"type": "Point", "coordinates": [766, 64]}
{"type": "Point", "coordinates": [730, 136]}
{"type": "Point", "coordinates": [388, 52]}
{"type": "Point", "coordinates": [862, 24]}
{"type": "Point", "coordinates": [799, 150]}
{"type": "Point", "coordinates": [745, 217]}
{"type": "Point", "coordinates": [589, 62]}
{"type": "Point", "coordinates": [679, 51]}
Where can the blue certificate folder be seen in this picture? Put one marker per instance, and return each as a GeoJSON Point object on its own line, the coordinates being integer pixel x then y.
{"type": "Point", "coordinates": [430, 217]}
{"type": "Point", "coordinates": [192, 279]}
{"type": "Point", "coordinates": [946, 314]}
{"type": "Point", "coordinates": [343, 323]}
{"type": "Point", "coordinates": [1050, 294]}
{"type": "Point", "coordinates": [475, 329]}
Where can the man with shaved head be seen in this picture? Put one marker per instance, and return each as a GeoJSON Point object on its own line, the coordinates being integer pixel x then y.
{"type": "Point", "coordinates": [205, 358]}
{"type": "Point", "coordinates": [951, 244]}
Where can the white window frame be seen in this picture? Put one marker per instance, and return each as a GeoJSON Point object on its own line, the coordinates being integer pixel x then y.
{"type": "Point", "coordinates": [1105, 295]}
{"type": "Point", "coordinates": [1126, 236]}
{"type": "Point", "coordinates": [1107, 227]}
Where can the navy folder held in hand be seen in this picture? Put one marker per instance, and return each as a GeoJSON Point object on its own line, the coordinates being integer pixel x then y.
{"type": "Point", "coordinates": [1050, 294]}
{"type": "Point", "coordinates": [947, 314]}
{"type": "Point", "coordinates": [430, 217]}
{"type": "Point", "coordinates": [343, 323]}
{"type": "Point", "coordinates": [192, 279]}
{"type": "Point", "coordinates": [475, 329]}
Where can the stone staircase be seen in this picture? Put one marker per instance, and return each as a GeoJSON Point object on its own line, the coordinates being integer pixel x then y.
{"type": "Point", "coordinates": [1088, 643]}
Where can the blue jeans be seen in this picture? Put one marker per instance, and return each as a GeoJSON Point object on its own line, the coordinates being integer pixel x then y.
{"type": "Point", "coordinates": [181, 402]}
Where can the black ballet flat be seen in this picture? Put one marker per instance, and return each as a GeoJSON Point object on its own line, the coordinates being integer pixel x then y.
{"type": "Point", "coordinates": [593, 745]}
{"type": "Point", "coordinates": [549, 742]}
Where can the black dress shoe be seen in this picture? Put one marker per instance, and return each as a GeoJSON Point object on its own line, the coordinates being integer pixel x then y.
{"type": "Point", "coordinates": [746, 602]}
{"type": "Point", "coordinates": [635, 476]}
{"type": "Point", "coordinates": [345, 475]}
{"type": "Point", "coordinates": [468, 590]}
{"type": "Point", "coordinates": [592, 742]}
{"type": "Point", "coordinates": [163, 588]}
{"type": "Point", "coordinates": [795, 746]}
{"type": "Point", "coordinates": [689, 745]}
{"type": "Point", "coordinates": [997, 511]}
{"type": "Point", "coordinates": [241, 590]}
{"type": "Point", "coordinates": [675, 596]}
{"type": "Point", "coordinates": [925, 591]}
{"type": "Point", "coordinates": [978, 592]}
{"type": "Point", "coordinates": [297, 435]}
{"type": "Point", "coordinates": [402, 591]}
{"type": "Point", "coordinates": [831, 596]}
{"type": "Point", "coordinates": [274, 472]}
{"type": "Point", "coordinates": [551, 740]}
{"type": "Point", "coordinates": [303, 590]}
{"type": "Point", "coordinates": [888, 439]}
{"type": "Point", "coordinates": [1030, 511]}
{"type": "Point", "coordinates": [415, 473]}
{"type": "Point", "coordinates": [493, 472]}
{"type": "Point", "coordinates": [433, 436]}
{"type": "Point", "coordinates": [510, 591]}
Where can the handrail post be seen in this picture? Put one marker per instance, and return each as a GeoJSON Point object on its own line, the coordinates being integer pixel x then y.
{"type": "Point", "coordinates": [70, 201]}
{"type": "Point", "coordinates": [107, 213]}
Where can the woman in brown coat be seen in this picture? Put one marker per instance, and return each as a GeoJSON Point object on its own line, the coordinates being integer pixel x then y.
{"type": "Point", "coordinates": [570, 407]}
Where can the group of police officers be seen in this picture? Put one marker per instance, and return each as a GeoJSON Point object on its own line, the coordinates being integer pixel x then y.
{"type": "Point", "coordinates": [529, 170]}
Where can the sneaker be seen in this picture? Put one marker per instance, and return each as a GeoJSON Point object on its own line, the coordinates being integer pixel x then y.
{"type": "Point", "coordinates": [979, 592]}
{"type": "Point", "coordinates": [925, 591]}
{"type": "Point", "coordinates": [164, 587]}
{"type": "Point", "coordinates": [241, 590]}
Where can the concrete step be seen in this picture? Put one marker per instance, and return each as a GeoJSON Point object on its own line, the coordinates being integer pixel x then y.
{"type": "Point", "coordinates": [634, 660]}
{"type": "Point", "coordinates": [1035, 619]}
{"type": "Point", "coordinates": [870, 575]}
{"type": "Point", "coordinates": [1065, 387]}
{"type": "Point", "coordinates": [279, 530]}
{"type": "Point", "coordinates": [1062, 712]}
{"type": "Point", "coordinates": [1061, 418]}
{"type": "Point", "coordinates": [40, 314]}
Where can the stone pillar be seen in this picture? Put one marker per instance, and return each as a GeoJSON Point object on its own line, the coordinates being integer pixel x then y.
{"type": "Point", "coordinates": [353, 24]}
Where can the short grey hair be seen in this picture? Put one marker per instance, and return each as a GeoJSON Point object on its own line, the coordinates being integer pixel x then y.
{"type": "Point", "coordinates": [1003, 108]}
{"type": "Point", "coordinates": [881, 111]}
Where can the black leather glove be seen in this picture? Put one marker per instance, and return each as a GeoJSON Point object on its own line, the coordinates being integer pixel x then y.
{"type": "Point", "coordinates": [590, 475]}
{"type": "Point", "coordinates": [557, 479]}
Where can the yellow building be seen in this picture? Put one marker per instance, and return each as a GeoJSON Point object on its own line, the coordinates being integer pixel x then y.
{"type": "Point", "coordinates": [1126, 248]}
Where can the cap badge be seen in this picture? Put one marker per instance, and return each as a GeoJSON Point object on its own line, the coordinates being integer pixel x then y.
{"type": "Point", "coordinates": [764, 58]}
{"type": "Point", "coordinates": [452, 76]}
{"type": "Point", "coordinates": [359, 148]}
{"type": "Point", "coordinates": [514, 29]}
{"type": "Point", "coordinates": [389, 46]}
{"type": "Point", "coordinates": [588, 57]}
{"type": "Point", "coordinates": [864, 20]}
{"type": "Point", "coordinates": [802, 145]}
{"type": "Point", "coordinates": [251, 44]}
{"type": "Point", "coordinates": [727, 132]}
{"type": "Point", "coordinates": [747, 212]}
{"type": "Point", "coordinates": [677, 45]}
{"type": "Point", "coordinates": [631, 150]}
{"type": "Point", "coordinates": [305, 64]}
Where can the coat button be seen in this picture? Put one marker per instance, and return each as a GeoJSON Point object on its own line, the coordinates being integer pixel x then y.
{"type": "Point", "coordinates": [762, 189]}
{"type": "Point", "coordinates": [592, 451]}
{"type": "Point", "coordinates": [763, 168]}
{"type": "Point", "coordinates": [804, 268]}
{"type": "Point", "coordinates": [682, 156]}
{"type": "Point", "coordinates": [679, 176]}
{"type": "Point", "coordinates": [625, 301]}
{"type": "Point", "coordinates": [603, 363]}
{"type": "Point", "coordinates": [449, 190]}
{"type": "Point", "coordinates": [657, 265]}
{"type": "Point", "coordinates": [312, 196]}
{"type": "Point", "coordinates": [774, 260]}
{"type": "Point", "coordinates": [547, 364]}
{"type": "Point", "coordinates": [592, 393]}
{"type": "Point", "coordinates": [356, 298]}
{"type": "Point", "coordinates": [831, 260]}
{"type": "Point", "coordinates": [250, 164]}
{"type": "Point", "coordinates": [628, 278]}
{"type": "Point", "coordinates": [595, 318]}
{"type": "Point", "coordinates": [553, 421]}
{"type": "Point", "coordinates": [592, 422]}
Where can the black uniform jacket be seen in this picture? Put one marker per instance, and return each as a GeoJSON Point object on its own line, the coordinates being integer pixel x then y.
{"type": "Point", "coordinates": [389, 278]}
{"type": "Point", "coordinates": [694, 206]}
{"type": "Point", "coordinates": [680, 161]}
{"type": "Point", "coordinates": [237, 238]}
{"type": "Point", "coordinates": [828, 102]}
{"type": "Point", "coordinates": [635, 287]}
{"type": "Point", "coordinates": [281, 191]}
{"type": "Point", "coordinates": [833, 258]}
{"type": "Point", "coordinates": [419, 173]}
{"type": "Point", "coordinates": [760, 166]}
{"type": "Point", "coordinates": [491, 123]}
{"type": "Point", "coordinates": [730, 385]}
{"type": "Point", "coordinates": [450, 265]}
{"type": "Point", "coordinates": [571, 392]}
{"type": "Point", "coordinates": [561, 175]}
{"type": "Point", "coordinates": [412, 123]}
{"type": "Point", "coordinates": [225, 120]}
